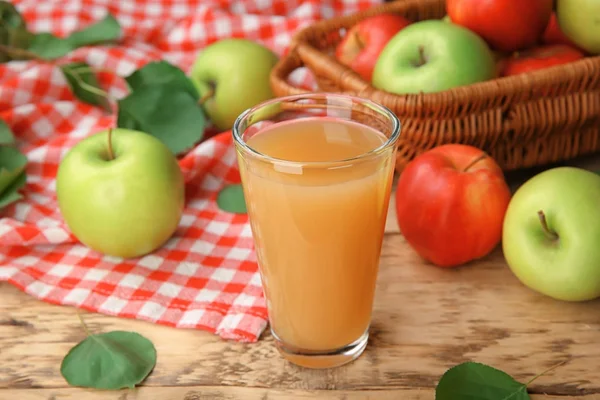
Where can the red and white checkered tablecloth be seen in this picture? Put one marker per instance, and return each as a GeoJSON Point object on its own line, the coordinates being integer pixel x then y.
{"type": "Point", "coordinates": [206, 276]}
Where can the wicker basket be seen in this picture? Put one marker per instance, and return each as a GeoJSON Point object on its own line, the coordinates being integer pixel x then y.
{"type": "Point", "coordinates": [522, 121]}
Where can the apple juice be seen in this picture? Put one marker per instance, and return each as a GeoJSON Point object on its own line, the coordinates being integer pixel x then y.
{"type": "Point", "coordinates": [318, 225]}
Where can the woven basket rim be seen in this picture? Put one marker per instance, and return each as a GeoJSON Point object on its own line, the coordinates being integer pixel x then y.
{"type": "Point", "coordinates": [523, 87]}
{"type": "Point", "coordinates": [530, 80]}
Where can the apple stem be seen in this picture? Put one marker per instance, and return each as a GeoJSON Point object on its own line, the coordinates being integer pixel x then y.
{"type": "Point", "coordinates": [111, 155]}
{"type": "Point", "coordinates": [422, 59]}
{"type": "Point", "coordinates": [551, 234]}
{"type": "Point", "coordinates": [475, 161]}
{"type": "Point", "coordinates": [361, 44]}
{"type": "Point", "coordinates": [206, 96]}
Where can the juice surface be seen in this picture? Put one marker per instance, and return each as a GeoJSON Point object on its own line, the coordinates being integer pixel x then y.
{"type": "Point", "coordinates": [316, 139]}
{"type": "Point", "coordinates": [318, 231]}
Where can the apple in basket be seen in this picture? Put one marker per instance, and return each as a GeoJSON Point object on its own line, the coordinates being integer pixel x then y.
{"type": "Point", "coordinates": [431, 56]}
{"type": "Point", "coordinates": [580, 22]}
{"type": "Point", "coordinates": [450, 204]}
{"type": "Point", "coordinates": [361, 45]}
{"type": "Point", "coordinates": [551, 231]}
{"type": "Point", "coordinates": [554, 34]}
{"type": "Point", "coordinates": [507, 25]}
{"type": "Point", "coordinates": [231, 76]}
{"type": "Point", "coordinates": [120, 192]}
{"type": "Point", "coordinates": [539, 58]}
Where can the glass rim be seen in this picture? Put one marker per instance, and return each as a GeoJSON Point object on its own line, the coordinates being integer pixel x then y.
{"type": "Point", "coordinates": [391, 140]}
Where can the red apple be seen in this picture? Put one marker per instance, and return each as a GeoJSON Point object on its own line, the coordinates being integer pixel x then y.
{"type": "Point", "coordinates": [450, 204]}
{"type": "Point", "coordinates": [500, 58]}
{"type": "Point", "coordinates": [360, 47]}
{"type": "Point", "coordinates": [553, 34]}
{"type": "Point", "coordinates": [507, 25]}
{"type": "Point", "coordinates": [540, 58]}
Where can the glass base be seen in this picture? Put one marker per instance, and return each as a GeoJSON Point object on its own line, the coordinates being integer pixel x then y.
{"type": "Point", "coordinates": [322, 359]}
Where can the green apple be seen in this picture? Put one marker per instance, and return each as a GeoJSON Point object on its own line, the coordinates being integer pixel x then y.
{"type": "Point", "coordinates": [432, 56]}
{"type": "Point", "coordinates": [120, 193]}
{"type": "Point", "coordinates": [237, 74]}
{"type": "Point", "coordinates": [551, 234]}
{"type": "Point", "coordinates": [580, 21]}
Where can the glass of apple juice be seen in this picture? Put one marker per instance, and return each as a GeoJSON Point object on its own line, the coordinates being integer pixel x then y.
{"type": "Point", "coordinates": [317, 172]}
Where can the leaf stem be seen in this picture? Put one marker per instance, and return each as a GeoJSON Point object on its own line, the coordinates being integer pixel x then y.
{"type": "Point", "coordinates": [206, 96]}
{"type": "Point", "coordinates": [546, 371]}
{"type": "Point", "coordinates": [15, 52]}
{"type": "Point", "coordinates": [85, 328]}
{"type": "Point", "coordinates": [84, 85]}
{"type": "Point", "coordinates": [111, 155]}
{"type": "Point", "coordinates": [88, 69]}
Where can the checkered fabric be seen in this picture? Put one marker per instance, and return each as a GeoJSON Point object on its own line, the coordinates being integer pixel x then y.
{"type": "Point", "coordinates": [206, 276]}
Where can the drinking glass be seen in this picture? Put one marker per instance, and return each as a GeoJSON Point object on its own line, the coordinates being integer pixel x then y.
{"type": "Point", "coordinates": [317, 222]}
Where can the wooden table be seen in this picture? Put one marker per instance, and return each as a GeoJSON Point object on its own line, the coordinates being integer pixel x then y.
{"type": "Point", "coordinates": [425, 321]}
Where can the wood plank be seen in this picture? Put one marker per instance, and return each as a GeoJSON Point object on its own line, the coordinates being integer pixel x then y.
{"type": "Point", "coordinates": [391, 224]}
{"type": "Point", "coordinates": [425, 320]}
{"type": "Point", "coordinates": [231, 393]}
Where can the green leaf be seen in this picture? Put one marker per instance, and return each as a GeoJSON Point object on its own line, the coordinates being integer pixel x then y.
{"type": "Point", "coordinates": [12, 174]}
{"type": "Point", "coordinates": [11, 193]}
{"type": "Point", "coordinates": [161, 72]}
{"type": "Point", "coordinates": [166, 112]}
{"type": "Point", "coordinates": [475, 381]}
{"type": "Point", "coordinates": [10, 17]}
{"type": "Point", "coordinates": [49, 46]}
{"type": "Point", "coordinates": [231, 199]}
{"type": "Point", "coordinates": [12, 163]}
{"type": "Point", "coordinates": [19, 38]}
{"type": "Point", "coordinates": [13, 31]}
{"type": "Point", "coordinates": [104, 31]}
{"type": "Point", "coordinates": [84, 84]}
{"type": "Point", "coordinates": [109, 361]}
{"type": "Point", "coordinates": [6, 135]}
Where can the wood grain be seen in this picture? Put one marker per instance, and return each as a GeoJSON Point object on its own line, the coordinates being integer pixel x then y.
{"type": "Point", "coordinates": [232, 393]}
{"type": "Point", "coordinates": [425, 320]}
